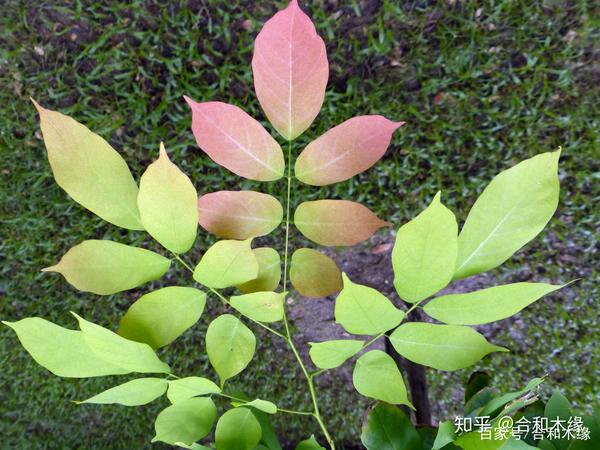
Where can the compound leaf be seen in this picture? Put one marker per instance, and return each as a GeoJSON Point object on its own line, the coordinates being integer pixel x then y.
{"type": "Point", "coordinates": [261, 306]}
{"type": "Point", "coordinates": [226, 264]}
{"type": "Point", "coordinates": [133, 393]}
{"type": "Point", "coordinates": [90, 170]}
{"type": "Point", "coordinates": [238, 429]}
{"type": "Point", "coordinates": [332, 354]}
{"type": "Point", "coordinates": [314, 274]}
{"type": "Point", "coordinates": [443, 347]}
{"type": "Point", "coordinates": [269, 271]}
{"type": "Point", "coordinates": [290, 71]}
{"type": "Point", "coordinates": [160, 317]}
{"type": "Point", "coordinates": [185, 421]}
{"type": "Point", "coordinates": [167, 204]}
{"type": "Point", "coordinates": [106, 267]}
{"type": "Point", "coordinates": [190, 387]}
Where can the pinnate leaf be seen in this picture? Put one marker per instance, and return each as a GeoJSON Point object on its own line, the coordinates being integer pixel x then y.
{"type": "Point", "coordinates": [388, 428]}
{"type": "Point", "coordinates": [510, 212]}
{"type": "Point", "coordinates": [238, 429]}
{"type": "Point", "coordinates": [236, 141]}
{"type": "Point", "coordinates": [376, 375]}
{"type": "Point", "coordinates": [332, 354]}
{"type": "Point", "coordinates": [62, 351]}
{"type": "Point", "coordinates": [106, 267]}
{"type": "Point", "coordinates": [336, 222]}
{"type": "Point", "coordinates": [345, 150]}
{"type": "Point", "coordinates": [133, 393]}
{"type": "Point", "coordinates": [486, 305]}
{"type": "Point", "coordinates": [363, 310]}
{"type": "Point", "coordinates": [160, 317]}
{"type": "Point", "coordinates": [239, 214]}
{"type": "Point", "coordinates": [230, 346]}
{"type": "Point", "coordinates": [269, 271]}
{"type": "Point", "coordinates": [167, 204]}
{"type": "Point", "coordinates": [227, 263]}
{"type": "Point", "coordinates": [262, 405]}
{"type": "Point", "coordinates": [425, 253]}
{"type": "Point", "coordinates": [314, 274]}
{"type": "Point", "coordinates": [443, 347]}
{"type": "Point", "coordinates": [90, 170]}
{"type": "Point", "coordinates": [261, 306]}
{"type": "Point", "coordinates": [290, 71]}
{"type": "Point", "coordinates": [185, 421]}
{"type": "Point", "coordinates": [190, 387]}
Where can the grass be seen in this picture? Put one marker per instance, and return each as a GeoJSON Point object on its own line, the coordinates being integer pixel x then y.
{"type": "Point", "coordinates": [481, 85]}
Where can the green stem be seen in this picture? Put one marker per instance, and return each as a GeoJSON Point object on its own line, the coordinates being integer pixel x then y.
{"type": "Point", "coordinates": [287, 411]}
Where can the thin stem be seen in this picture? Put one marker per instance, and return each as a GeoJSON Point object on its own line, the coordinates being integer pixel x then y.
{"type": "Point", "coordinates": [287, 411]}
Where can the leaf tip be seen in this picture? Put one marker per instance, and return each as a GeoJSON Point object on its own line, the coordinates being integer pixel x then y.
{"type": "Point", "coordinates": [162, 152]}
{"type": "Point", "coordinates": [189, 101]}
{"type": "Point", "coordinates": [37, 105]}
{"type": "Point", "coordinates": [54, 268]}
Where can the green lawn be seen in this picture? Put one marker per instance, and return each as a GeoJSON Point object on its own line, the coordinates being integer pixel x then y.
{"type": "Point", "coordinates": [481, 86]}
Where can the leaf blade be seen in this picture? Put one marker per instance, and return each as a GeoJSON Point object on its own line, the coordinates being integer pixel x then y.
{"type": "Point", "coordinates": [269, 271]}
{"type": "Point", "coordinates": [227, 263]}
{"type": "Point", "coordinates": [238, 429]}
{"type": "Point", "coordinates": [132, 393]}
{"type": "Point", "coordinates": [185, 421]}
{"type": "Point", "coordinates": [189, 387]}
{"type": "Point", "coordinates": [332, 354]}
{"type": "Point", "coordinates": [264, 307]}
{"type": "Point", "coordinates": [314, 274]}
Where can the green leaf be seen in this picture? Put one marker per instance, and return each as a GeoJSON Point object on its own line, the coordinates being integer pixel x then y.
{"type": "Point", "coordinates": [261, 306]}
{"type": "Point", "coordinates": [314, 274]}
{"type": "Point", "coordinates": [237, 429]}
{"type": "Point", "coordinates": [261, 405]}
{"type": "Point", "coordinates": [443, 347]}
{"type": "Point", "coordinates": [487, 305]}
{"type": "Point", "coordinates": [63, 352]}
{"type": "Point", "coordinates": [269, 439]}
{"type": "Point", "coordinates": [90, 170]}
{"type": "Point", "coordinates": [160, 317]}
{"type": "Point", "coordinates": [168, 204]}
{"type": "Point", "coordinates": [445, 435]}
{"type": "Point", "coordinates": [133, 393]}
{"type": "Point", "coordinates": [388, 428]}
{"type": "Point", "coordinates": [185, 421]}
{"type": "Point", "coordinates": [510, 212]}
{"type": "Point", "coordinates": [477, 381]}
{"type": "Point", "coordinates": [376, 375]}
{"type": "Point", "coordinates": [226, 264]}
{"type": "Point", "coordinates": [309, 444]}
{"type": "Point", "coordinates": [121, 352]}
{"type": "Point", "coordinates": [425, 253]}
{"type": "Point", "coordinates": [230, 346]}
{"type": "Point", "coordinates": [107, 267]}
{"type": "Point", "coordinates": [331, 354]}
{"type": "Point", "coordinates": [558, 407]}
{"type": "Point", "coordinates": [363, 310]}
{"type": "Point", "coordinates": [478, 401]}
{"type": "Point", "coordinates": [269, 272]}
{"type": "Point", "coordinates": [498, 402]}
{"type": "Point", "coordinates": [189, 387]}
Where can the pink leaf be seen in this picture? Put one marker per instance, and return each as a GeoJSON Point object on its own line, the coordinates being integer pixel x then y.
{"type": "Point", "coordinates": [290, 71]}
{"type": "Point", "coordinates": [336, 222]}
{"type": "Point", "coordinates": [346, 150]}
{"type": "Point", "coordinates": [236, 141]}
{"type": "Point", "coordinates": [239, 214]}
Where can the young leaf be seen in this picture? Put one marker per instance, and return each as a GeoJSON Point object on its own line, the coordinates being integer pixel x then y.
{"type": "Point", "coordinates": [238, 429]}
{"type": "Point", "coordinates": [261, 405]}
{"type": "Point", "coordinates": [167, 204]}
{"type": "Point", "coordinates": [160, 317]}
{"type": "Point", "coordinates": [345, 150]}
{"type": "Point", "coordinates": [510, 212]}
{"type": "Point", "coordinates": [290, 71]}
{"type": "Point", "coordinates": [443, 347]}
{"type": "Point", "coordinates": [376, 375]}
{"type": "Point", "coordinates": [118, 351]}
{"type": "Point", "coordinates": [260, 306]}
{"type": "Point", "coordinates": [227, 263]}
{"type": "Point", "coordinates": [309, 444]}
{"type": "Point", "coordinates": [236, 141]}
{"type": "Point", "coordinates": [269, 272]}
{"type": "Point", "coordinates": [332, 354]}
{"type": "Point", "coordinates": [336, 222]}
{"type": "Point", "coordinates": [388, 428]}
{"type": "Point", "coordinates": [239, 214]}
{"type": "Point", "coordinates": [107, 267]}
{"type": "Point", "coordinates": [90, 170]}
{"type": "Point", "coordinates": [63, 352]}
{"type": "Point", "coordinates": [190, 387]}
{"type": "Point", "coordinates": [363, 310]}
{"type": "Point", "coordinates": [425, 253]}
{"type": "Point", "coordinates": [230, 346]}
{"type": "Point", "coordinates": [486, 305]}
{"type": "Point", "coordinates": [314, 274]}
{"type": "Point", "coordinates": [133, 393]}
{"type": "Point", "coordinates": [185, 421]}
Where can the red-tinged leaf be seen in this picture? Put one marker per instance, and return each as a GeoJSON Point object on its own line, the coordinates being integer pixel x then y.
{"type": "Point", "coordinates": [239, 214]}
{"type": "Point", "coordinates": [346, 150]}
{"type": "Point", "coordinates": [336, 222]}
{"type": "Point", "coordinates": [314, 274]}
{"type": "Point", "coordinates": [236, 141]}
{"type": "Point", "coordinates": [290, 71]}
